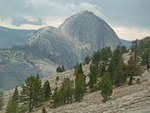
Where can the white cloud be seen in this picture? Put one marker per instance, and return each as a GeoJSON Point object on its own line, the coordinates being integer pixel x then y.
{"type": "Point", "coordinates": [52, 8]}
{"type": "Point", "coordinates": [54, 12]}
{"type": "Point", "coordinates": [51, 13]}
{"type": "Point", "coordinates": [131, 33]}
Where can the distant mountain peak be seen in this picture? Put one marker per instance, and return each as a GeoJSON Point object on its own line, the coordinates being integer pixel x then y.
{"type": "Point", "coordinates": [84, 15]}
{"type": "Point", "coordinates": [89, 28]}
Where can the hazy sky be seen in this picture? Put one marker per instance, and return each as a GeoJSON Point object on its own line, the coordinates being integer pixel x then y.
{"type": "Point", "coordinates": [129, 18]}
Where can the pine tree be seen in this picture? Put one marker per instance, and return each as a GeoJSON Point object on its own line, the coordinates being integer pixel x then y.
{"type": "Point", "coordinates": [111, 68]}
{"type": "Point", "coordinates": [57, 99]}
{"type": "Point", "coordinates": [64, 94]}
{"type": "Point", "coordinates": [145, 57]}
{"type": "Point", "coordinates": [78, 69]}
{"type": "Point", "coordinates": [57, 78]}
{"type": "Point", "coordinates": [87, 60]}
{"type": "Point", "coordinates": [91, 81]}
{"type": "Point", "coordinates": [15, 95]}
{"type": "Point", "coordinates": [133, 69]}
{"type": "Point", "coordinates": [102, 69]}
{"type": "Point", "coordinates": [43, 110]}
{"type": "Point", "coordinates": [32, 92]}
{"type": "Point", "coordinates": [27, 93]}
{"type": "Point", "coordinates": [80, 87]}
{"type": "Point", "coordinates": [117, 54]}
{"type": "Point", "coordinates": [1, 100]}
{"type": "Point", "coordinates": [66, 91]}
{"type": "Point", "coordinates": [119, 74]}
{"type": "Point", "coordinates": [93, 75]}
{"type": "Point", "coordinates": [12, 106]}
{"type": "Point", "coordinates": [124, 49]}
{"type": "Point", "coordinates": [106, 87]}
{"type": "Point", "coordinates": [60, 69]}
{"type": "Point", "coordinates": [23, 108]}
{"type": "Point", "coordinates": [105, 54]}
{"type": "Point", "coordinates": [96, 57]}
{"type": "Point", "coordinates": [70, 92]}
{"type": "Point", "coordinates": [133, 65]}
{"type": "Point", "coordinates": [47, 90]}
{"type": "Point", "coordinates": [38, 93]}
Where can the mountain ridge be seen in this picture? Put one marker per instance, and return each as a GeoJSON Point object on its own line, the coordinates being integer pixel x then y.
{"type": "Point", "coordinates": [49, 47]}
{"type": "Point", "coordinates": [10, 37]}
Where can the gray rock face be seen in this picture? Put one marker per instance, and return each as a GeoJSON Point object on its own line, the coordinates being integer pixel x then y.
{"type": "Point", "coordinates": [16, 66]}
{"type": "Point", "coordinates": [49, 47]}
{"type": "Point", "coordinates": [90, 30]}
{"type": "Point", "coordinates": [59, 48]}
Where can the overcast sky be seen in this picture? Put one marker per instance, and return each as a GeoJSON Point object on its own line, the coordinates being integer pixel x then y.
{"type": "Point", "coordinates": [129, 18]}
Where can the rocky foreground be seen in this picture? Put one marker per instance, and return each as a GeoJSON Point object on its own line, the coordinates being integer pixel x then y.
{"type": "Point", "coordinates": [125, 99]}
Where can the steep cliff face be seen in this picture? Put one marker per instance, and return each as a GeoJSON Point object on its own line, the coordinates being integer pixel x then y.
{"type": "Point", "coordinates": [90, 30]}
